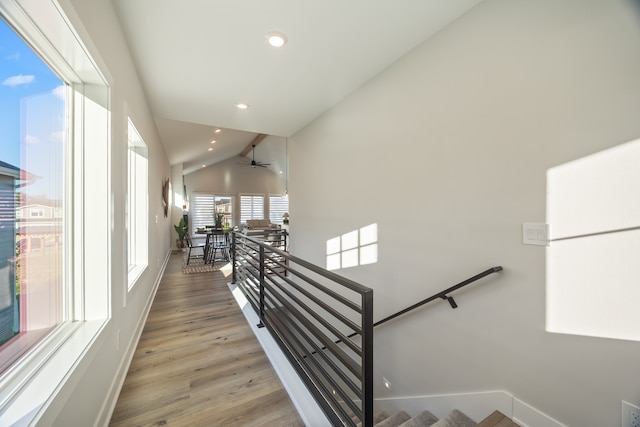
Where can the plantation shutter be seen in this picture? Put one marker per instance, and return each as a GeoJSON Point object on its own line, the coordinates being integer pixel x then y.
{"type": "Point", "coordinates": [251, 207]}
{"type": "Point", "coordinates": [278, 206]}
{"type": "Point", "coordinates": [202, 211]}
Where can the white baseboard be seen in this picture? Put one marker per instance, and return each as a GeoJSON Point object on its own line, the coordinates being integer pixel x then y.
{"type": "Point", "coordinates": [118, 380]}
{"type": "Point", "coordinates": [528, 416]}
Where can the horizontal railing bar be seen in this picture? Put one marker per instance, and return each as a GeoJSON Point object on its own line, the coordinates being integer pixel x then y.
{"type": "Point", "coordinates": [350, 284]}
{"type": "Point", "coordinates": [314, 314]}
{"type": "Point", "coordinates": [335, 350]}
{"type": "Point", "coordinates": [309, 369]}
{"type": "Point", "coordinates": [348, 381]}
{"type": "Point", "coordinates": [342, 318]}
{"type": "Point", "coordinates": [326, 290]}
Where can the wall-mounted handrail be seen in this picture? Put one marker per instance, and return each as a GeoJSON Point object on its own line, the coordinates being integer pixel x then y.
{"type": "Point", "coordinates": [441, 295]}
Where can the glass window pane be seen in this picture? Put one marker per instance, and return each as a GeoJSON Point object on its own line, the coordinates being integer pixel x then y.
{"type": "Point", "coordinates": [33, 138]}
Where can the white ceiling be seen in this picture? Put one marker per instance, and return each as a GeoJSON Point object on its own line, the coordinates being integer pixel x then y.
{"type": "Point", "coordinates": [198, 58]}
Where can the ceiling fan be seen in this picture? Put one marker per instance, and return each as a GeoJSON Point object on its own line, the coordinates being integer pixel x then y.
{"type": "Point", "coordinates": [254, 163]}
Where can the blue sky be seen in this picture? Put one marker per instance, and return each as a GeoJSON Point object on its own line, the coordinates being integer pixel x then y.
{"type": "Point", "coordinates": [31, 111]}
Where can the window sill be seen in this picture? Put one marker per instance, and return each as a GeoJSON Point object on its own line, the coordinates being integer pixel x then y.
{"type": "Point", "coordinates": [135, 272]}
{"type": "Point", "coordinates": [31, 387]}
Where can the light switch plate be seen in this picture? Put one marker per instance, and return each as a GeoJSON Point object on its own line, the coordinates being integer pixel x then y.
{"type": "Point", "coordinates": [534, 233]}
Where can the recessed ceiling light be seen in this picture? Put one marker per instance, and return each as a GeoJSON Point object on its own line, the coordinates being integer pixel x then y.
{"type": "Point", "coordinates": [242, 106]}
{"type": "Point", "coordinates": [218, 130]}
{"type": "Point", "coordinates": [204, 166]}
{"type": "Point", "coordinates": [210, 149]}
{"type": "Point", "coordinates": [213, 141]}
{"type": "Point", "coordinates": [276, 39]}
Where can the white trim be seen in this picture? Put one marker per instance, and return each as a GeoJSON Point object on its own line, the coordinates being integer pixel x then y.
{"type": "Point", "coordinates": [36, 393]}
{"type": "Point", "coordinates": [528, 416]}
{"type": "Point", "coordinates": [111, 399]}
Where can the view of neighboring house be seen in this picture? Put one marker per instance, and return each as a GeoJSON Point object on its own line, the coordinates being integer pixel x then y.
{"type": "Point", "coordinates": [25, 230]}
{"type": "Point", "coordinates": [8, 302]}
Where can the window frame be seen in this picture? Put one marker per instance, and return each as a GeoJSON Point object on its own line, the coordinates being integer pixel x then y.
{"type": "Point", "coordinates": [137, 200]}
{"type": "Point", "coordinates": [32, 384]}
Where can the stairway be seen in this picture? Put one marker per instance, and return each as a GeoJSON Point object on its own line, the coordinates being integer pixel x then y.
{"type": "Point", "coordinates": [427, 419]}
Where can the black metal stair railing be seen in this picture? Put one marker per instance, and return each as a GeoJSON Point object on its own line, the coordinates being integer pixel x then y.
{"type": "Point", "coordinates": [323, 322]}
{"type": "Point", "coordinates": [307, 308]}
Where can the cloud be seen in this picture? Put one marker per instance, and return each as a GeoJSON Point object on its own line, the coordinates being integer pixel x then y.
{"type": "Point", "coordinates": [18, 80]}
{"type": "Point", "coordinates": [60, 92]}
{"type": "Point", "coordinates": [56, 136]}
{"type": "Point", "coordinates": [13, 57]}
{"type": "Point", "coordinates": [30, 139]}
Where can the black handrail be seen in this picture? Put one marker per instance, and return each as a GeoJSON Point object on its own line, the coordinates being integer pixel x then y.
{"type": "Point", "coordinates": [442, 295]}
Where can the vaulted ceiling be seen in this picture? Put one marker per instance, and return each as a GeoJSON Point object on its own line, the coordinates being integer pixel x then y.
{"type": "Point", "coordinates": [198, 58]}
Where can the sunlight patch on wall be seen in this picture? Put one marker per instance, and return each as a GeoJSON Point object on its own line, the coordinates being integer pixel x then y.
{"type": "Point", "coordinates": [593, 210]}
{"type": "Point", "coordinates": [357, 247]}
{"type": "Point", "coordinates": [179, 201]}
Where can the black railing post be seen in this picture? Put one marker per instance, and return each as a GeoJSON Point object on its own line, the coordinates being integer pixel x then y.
{"type": "Point", "coordinates": [233, 258]}
{"type": "Point", "coordinates": [367, 358]}
{"type": "Point", "coordinates": [261, 324]}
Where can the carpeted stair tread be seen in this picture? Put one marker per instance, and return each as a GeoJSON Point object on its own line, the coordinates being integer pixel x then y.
{"type": "Point", "coordinates": [455, 419]}
{"type": "Point", "coordinates": [394, 420]}
{"type": "Point", "coordinates": [497, 419]}
{"type": "Point", "coordinates": [377, 417]}
{"type": "Point", "coordinates": [423, 419]}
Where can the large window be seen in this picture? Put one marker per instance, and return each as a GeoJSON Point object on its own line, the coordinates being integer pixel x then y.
{"type": "Point", "coordinates": [54, 207]}
{"type": "Point", "coordinates": [278, 206]}
{"type": "Point", "coordinates": [251, 207]}
{"type": "Point", "coordinates": [33, 137]}
{"type": "Point", "coordinates": [137, 218]}
{"type": "Point", "coordinates": [203, 207]}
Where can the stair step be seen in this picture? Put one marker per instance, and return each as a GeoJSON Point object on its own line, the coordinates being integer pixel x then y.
{"type": "Point", "coordinates": [497, 419]}
{"type": "Point", "coordinates": [455, 419]}
{"type": "Point", "coordinates": [394, 420]}
{"type": "Point", "coordinates": [377, 417]}
{"type": "Point", "coordinates": [427, 419]}
{"type": "Point", "coordinates": [423, 419]}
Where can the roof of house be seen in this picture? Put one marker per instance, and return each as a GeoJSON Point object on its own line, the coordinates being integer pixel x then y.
{"type": "Point", "coordinates": [9, 170]}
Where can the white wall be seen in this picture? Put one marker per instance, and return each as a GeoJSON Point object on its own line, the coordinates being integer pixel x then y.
{"type": "Point", "coordinates": [447, 152]}
{"type": "Point", "coordinates": [91, 388]}
{"type": "Point", "coordinates": [231, 178]}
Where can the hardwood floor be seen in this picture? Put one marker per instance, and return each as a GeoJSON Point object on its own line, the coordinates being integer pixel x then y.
{"type": "Point", "coordinates": [198, 362]}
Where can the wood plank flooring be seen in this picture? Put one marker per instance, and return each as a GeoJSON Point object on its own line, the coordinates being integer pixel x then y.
{"type": "Point", "coordinates": [198, 362]}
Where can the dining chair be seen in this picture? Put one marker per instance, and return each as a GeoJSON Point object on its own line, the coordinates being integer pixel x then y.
{"type": "Point", "coordinates": [194, 245]}
{"type": "Point", "coordinates": [218, 243]}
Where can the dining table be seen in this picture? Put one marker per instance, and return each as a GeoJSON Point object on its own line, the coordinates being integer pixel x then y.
{"type": "Point", "coordinates": [218, 240]}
